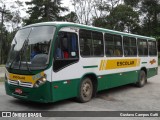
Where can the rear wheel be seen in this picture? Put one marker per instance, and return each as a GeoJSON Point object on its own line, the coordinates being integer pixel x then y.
{"type": "Point", "coordinates": [86, 90]}
{"type": "Point", "coordinates": [142, 79]}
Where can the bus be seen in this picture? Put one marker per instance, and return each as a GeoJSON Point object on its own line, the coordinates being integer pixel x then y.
{"type": "Point", "coordinates": [52, 61]}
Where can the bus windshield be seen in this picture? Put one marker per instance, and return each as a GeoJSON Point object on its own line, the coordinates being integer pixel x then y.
{"type": "Point", "coordinates": [30, 48]}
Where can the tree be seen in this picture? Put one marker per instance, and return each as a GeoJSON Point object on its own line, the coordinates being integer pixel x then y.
{"type": "Point", "coordinates": [105, 8]}
{"type": "Point", "coordinates": [83, 10]}
{"type": "Point", "coordinates": [71, 17]}
{"type": "Point", "coordinates": [10, 18]}
{"type": "Point", "coordinates": [123, 18]}
{"type": "Point", "coordinates": [16, 19]}
{"type": "Point", "coordinates": [90, 10]}
{"type": "Point", "coordinates": [5, 16]}
{"type": "Point", "coordinates": [151, 23]}
{"type": "Point", "coordinates": [44, 10]}
{"type": "Point", "coordinates": [100, 22]}
{"type": "Point", "coordinates": [132, 3]}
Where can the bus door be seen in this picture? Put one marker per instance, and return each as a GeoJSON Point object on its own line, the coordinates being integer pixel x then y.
{"type": "Point", "coordinates": [66, 55]}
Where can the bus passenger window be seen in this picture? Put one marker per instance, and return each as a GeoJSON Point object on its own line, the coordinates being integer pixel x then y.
{"type": "Point", "coordinates": [66, 50]}
{"type": "Point", "coordinates": [152, 48]}
{"type": "Point", "coordinates": [67, 46]}
{"type": "Point", "coordinates": [130, 47]}
{"type": "Point", "coordinates": [91, 43]}
{"type": "Point", "coordinates": [113, 44]}
{"type": "Point", "coordinates": [142, 47]}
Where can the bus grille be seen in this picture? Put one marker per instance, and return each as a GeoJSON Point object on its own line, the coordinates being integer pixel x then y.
{"type": "Point", "coordinates": [19, 83]}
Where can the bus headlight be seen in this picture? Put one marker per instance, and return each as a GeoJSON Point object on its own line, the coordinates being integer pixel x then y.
{"type": "Point", "coordinates": [41, 81]}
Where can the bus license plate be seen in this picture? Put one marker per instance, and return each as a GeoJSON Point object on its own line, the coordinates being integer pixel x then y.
{"type": "Point", "coordinates": [18, 90]}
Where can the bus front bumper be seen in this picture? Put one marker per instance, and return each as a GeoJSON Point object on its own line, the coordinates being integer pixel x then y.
{"type": "Point", "coordinates": [40, 94]}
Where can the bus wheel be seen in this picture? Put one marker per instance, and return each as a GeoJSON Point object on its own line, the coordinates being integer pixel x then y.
{"type": "Point", "coordinates": [142, 79]}
{"type": "Point", "coordinates": [86, 90]}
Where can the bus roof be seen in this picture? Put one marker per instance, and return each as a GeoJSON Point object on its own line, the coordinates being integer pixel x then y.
{"type": "Point", "coordinates": [65, 24]}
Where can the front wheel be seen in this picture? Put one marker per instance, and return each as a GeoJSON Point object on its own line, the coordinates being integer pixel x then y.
{"type": "Point", "coordinates": [86, 90]}
{"type": "Point", "coordinates": [142, 79]}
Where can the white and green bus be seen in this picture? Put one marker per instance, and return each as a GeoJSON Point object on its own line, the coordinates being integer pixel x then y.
{"type": "Point", "coordinates": [52, 61]}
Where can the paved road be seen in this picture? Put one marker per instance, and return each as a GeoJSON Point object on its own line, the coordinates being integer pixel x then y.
{"type": "Point", "coordinates": [125, 98]}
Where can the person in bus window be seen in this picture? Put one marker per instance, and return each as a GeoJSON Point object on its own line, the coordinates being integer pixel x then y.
{"type": "Point", "coordinates": [62, 49]}
{"type": "Point", "coordinates": [59, 53]}
{"type": "Point", "coordinates": [65, 47]}
{"type": "Point", "coordinates": [35, 52]}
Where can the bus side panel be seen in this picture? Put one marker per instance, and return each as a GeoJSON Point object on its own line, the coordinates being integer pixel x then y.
{"type": "Point", "coordinates": [152, 72]}
{"type": "Point", "coordinates": [151, 64]}
{"type": "Point", "coordinates": [122, 78]}
{"type": "Point", "coordinates": [103, 83]}
{"type": "Point", "coordinates": [118, 79]}
{"type": "Point", "coordinates": [64, 89]}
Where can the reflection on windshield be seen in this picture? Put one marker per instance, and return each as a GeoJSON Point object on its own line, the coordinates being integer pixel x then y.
{"type": "Point", "coordinates": [32, 54]}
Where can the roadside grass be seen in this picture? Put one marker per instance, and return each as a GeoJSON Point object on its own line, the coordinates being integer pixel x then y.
{"type": "Point", "coordinates": [2, 65]}
{"type": "Point", "coordinates": [1, 79]}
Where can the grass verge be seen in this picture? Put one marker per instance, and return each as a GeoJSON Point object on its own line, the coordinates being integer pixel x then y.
{"type": "Point", "coordinates": [2, 65]}
{"type": "Point", "coordinates": [1, 79]}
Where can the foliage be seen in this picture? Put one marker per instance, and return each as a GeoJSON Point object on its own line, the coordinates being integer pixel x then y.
{"type": "Point", "coordinates": [151, 22]}
{"type": "Point", "coordinates": [2, 79]}
{"type": "Point", "coordinates": [121, 18]}
{"type": "Point", "coordinates": [134, 16]}
{"type": "Point", "coordinates": [44, 10]}
{"type": "Point", "coordinates": [132, 3]}
{"type": "Point", "coordinates": [10, 16]}
{"type": "Point", "coordinates": [71, 17]}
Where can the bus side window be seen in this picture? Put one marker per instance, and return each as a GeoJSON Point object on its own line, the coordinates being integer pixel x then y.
{"type": "Point", "coordinates": [142, 47]}
{"type": "Point", "coordinates": [97, 44]}
{"type": "Point", "coordinates": [91, 43]}
{"type": "Point", "coordinates": [109, 44]}
{"type": "Point", "coordinates": [85, 40]}
{"type": "Point", "coordinates": [66, 50]}
{"type": "Point", "coordinates": [152, 48]}
{"type": "Point", "coordinates": [67, 46]}
{"type": "Point", "coordinates": [130, 46]}
{"type": "Point", "coordinates": [113, 44]}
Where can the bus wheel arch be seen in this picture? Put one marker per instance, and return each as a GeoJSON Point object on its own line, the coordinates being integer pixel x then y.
{"type": "Point", "coordinates": [142, 77]}
{"type": "Point", "coordinates": [93, 78]}
{"type": "Point", "coordinates": [144, 69]}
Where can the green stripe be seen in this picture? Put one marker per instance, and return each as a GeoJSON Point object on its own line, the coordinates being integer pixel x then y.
{"type": "Point", "coordinates": [70, 88]}
{"type": "Point", "coordinates": [144, 62]}
{"type": "Point", "coordinates": [93, 66]}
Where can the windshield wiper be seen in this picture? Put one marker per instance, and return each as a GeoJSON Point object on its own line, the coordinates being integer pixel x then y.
{"type": "Point", "coordinates": [22, 51]}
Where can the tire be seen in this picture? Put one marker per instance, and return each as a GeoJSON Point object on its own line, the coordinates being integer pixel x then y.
{"type": "Point", "coordinates": [85, 91]}
{"type": "Point", "coordinates": [142, 79]}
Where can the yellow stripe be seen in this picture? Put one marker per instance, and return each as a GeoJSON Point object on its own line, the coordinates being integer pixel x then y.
{"type": "Point", "coordinates": [25, 78]}
{"type": "Point", "coordinates": [101, 65]}
{"type": "Point", "coordinates": [106, 65]}
{"type": "Point", "coordinates": [118, 63]}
